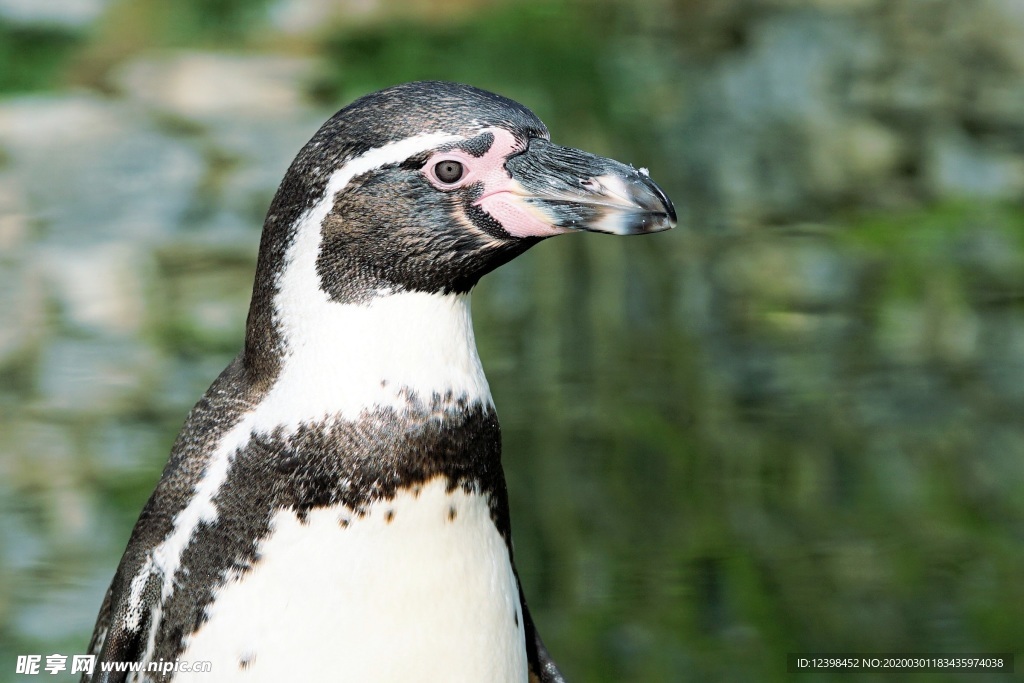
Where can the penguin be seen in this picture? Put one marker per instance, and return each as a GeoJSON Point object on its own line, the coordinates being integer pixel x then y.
{"type": "Point", "coordinates": [334, 508]}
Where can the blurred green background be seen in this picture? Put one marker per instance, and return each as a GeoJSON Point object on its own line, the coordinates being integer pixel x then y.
{"type": "Point", "coordinates": [794, 424]}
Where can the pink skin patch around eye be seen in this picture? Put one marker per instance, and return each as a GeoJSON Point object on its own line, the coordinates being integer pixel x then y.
{"type": "Point", "coordinates": [502, 197]}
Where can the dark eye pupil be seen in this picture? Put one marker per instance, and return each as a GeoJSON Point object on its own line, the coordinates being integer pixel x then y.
{"type": "Point", "coordinates": [448, 171]}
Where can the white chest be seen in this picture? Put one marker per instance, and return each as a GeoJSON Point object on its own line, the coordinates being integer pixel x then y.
{"type": "Point", "coordinates": [419, 588]}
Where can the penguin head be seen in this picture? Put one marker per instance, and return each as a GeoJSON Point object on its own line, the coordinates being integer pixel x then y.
{"type": "Point", "coordinates": [428, 186]}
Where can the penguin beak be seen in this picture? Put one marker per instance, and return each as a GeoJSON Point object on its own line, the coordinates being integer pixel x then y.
{"type": "Point", "coordinates": [559, 189]}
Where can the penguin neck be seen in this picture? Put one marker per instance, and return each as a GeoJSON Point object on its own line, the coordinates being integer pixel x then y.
{"type": "Point", "coordinates": [402, 350]}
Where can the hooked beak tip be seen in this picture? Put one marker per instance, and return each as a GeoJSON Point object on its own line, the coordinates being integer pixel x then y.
{"type": "Point", "coordinates": [668, 209]}
{"type": "Point", "coordinates": [632, 204]}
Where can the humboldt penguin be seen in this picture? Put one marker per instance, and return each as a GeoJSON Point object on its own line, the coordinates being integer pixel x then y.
{"type": "Point", "coordinates": [334, 508]}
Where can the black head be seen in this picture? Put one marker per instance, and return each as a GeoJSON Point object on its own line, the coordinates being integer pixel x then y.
{"type": "Point", "coordinates": [428, 186]}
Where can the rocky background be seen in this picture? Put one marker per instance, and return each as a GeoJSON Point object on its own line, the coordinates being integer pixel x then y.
{"type": "Point", "coordinates": [794, 424]}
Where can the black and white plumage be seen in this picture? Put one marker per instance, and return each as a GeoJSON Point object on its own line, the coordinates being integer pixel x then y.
{"type": "Point", "coordinates": [334, 507]}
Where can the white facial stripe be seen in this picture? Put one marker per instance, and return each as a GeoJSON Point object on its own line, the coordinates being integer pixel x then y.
{"type": "Point", "coordinates": [300, 301]}
{"type": "Point", "coordinates": [338, 355]}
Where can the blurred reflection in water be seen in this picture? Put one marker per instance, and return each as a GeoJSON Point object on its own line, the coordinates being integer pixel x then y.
{"type": "Point", "coordinates": [793, 425]}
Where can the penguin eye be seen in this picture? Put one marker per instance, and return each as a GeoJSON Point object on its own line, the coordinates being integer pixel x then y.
{"type": "Point", "coordinates": [448, 171]}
